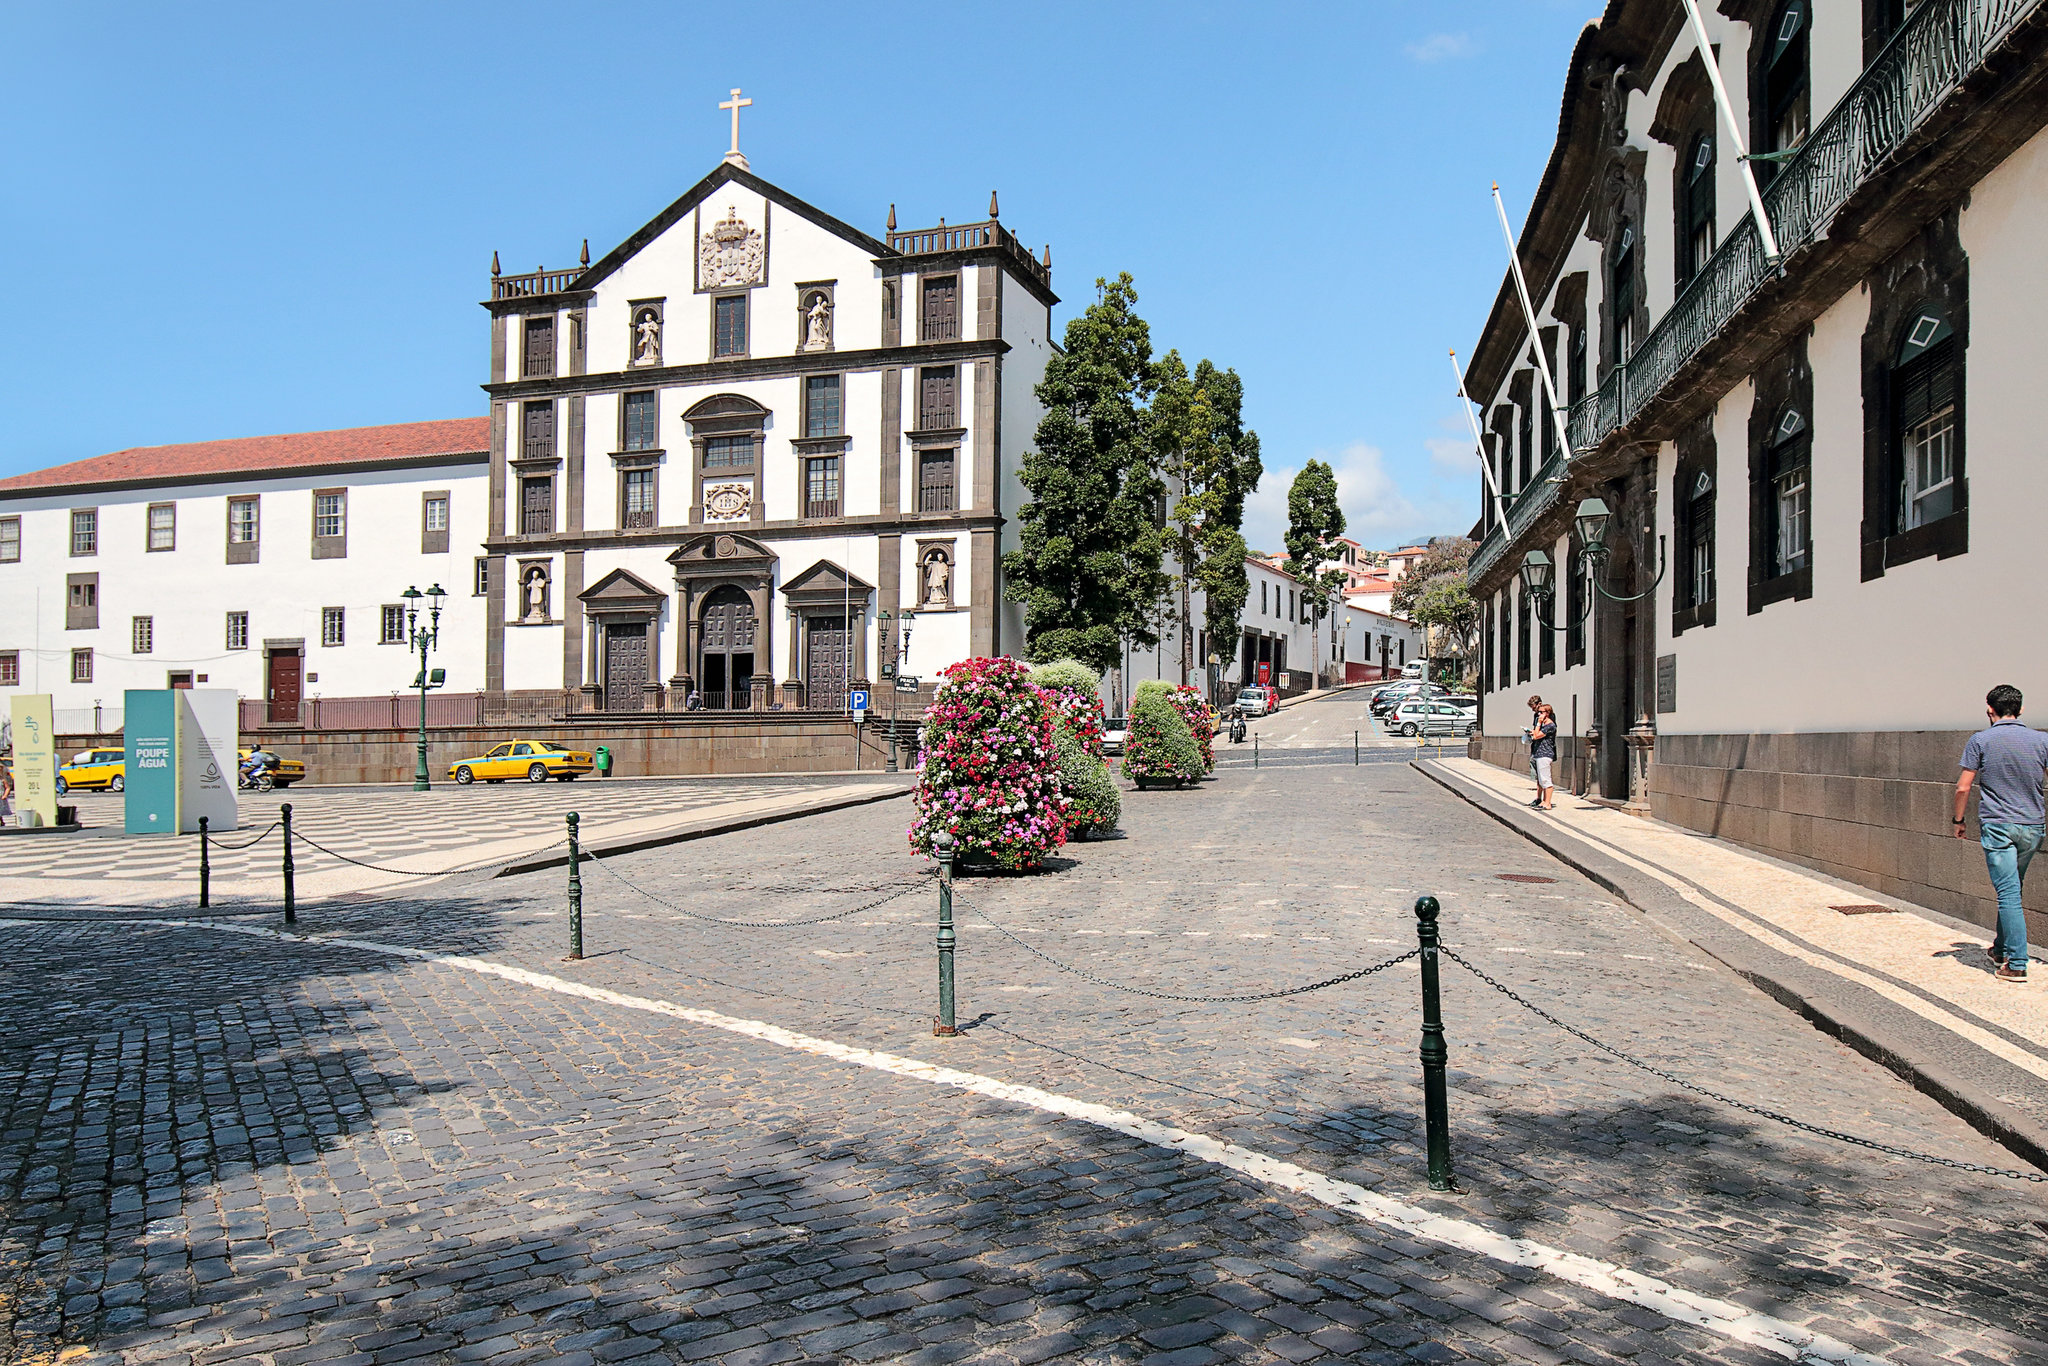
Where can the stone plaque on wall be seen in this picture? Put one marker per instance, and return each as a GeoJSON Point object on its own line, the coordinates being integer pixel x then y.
{"type": "Point", "coordinates": [1667, 683]}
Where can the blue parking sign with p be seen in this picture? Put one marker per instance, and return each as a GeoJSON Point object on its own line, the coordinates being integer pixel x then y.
{"type": "Point", "coordinates": [857, 700]}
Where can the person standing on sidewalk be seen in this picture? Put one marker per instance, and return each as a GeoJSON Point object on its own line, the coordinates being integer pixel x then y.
{"type": "Point", "coordinates": [1543, 753]}
{"type": "Point", "coordinates": [2006, 763]}
{"type": "Point", "coordinates": [1529, 733]}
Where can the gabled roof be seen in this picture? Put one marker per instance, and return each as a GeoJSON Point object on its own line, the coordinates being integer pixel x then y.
{"type": "Point", "coordinates": [725, 172]}
{"type": "Point", "coordinates": [460, 440]}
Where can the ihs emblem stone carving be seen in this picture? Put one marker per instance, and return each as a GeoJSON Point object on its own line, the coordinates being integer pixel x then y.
{"type": "Point", "coordinates": [728, 502]}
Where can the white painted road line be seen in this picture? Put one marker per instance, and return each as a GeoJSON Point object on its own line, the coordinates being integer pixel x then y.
{"type": "Point", "coordinates": [1769, 1332]}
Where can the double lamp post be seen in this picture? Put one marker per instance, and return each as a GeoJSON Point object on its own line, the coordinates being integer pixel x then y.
{"type": "Point", "coordinates": [419, 640]}
{"type": "Point", "coordinates": [890, 671]}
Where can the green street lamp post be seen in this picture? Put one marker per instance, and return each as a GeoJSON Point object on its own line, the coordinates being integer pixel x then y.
{"type": "Point", "coordinates": [892, 670]}
{"type": "Point", "coordinates": [420, 641]}
{"type": "Point", "coordinates": [1539, 574]}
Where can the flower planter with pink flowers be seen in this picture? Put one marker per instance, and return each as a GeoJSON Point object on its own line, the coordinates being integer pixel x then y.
{"type": "Point", "coordinates": [990, 772]}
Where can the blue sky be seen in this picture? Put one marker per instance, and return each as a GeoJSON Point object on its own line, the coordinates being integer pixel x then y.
{"type": "Point", "coordinates": [237, 220]}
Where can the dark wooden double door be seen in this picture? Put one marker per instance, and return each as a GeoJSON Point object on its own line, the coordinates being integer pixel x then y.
{"type": "Point", "coordinates": [828, 662]}
{"type": "Point", "coordinates": [627, 666]}
{"type": "Point", "coordinates": [725, 654]}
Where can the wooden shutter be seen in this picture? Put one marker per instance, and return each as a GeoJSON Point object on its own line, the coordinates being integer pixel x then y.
{"type": "Point", "coordinates": [937, 405]}
{"type": "Point", "coordinates": [935, 481]}
{"type": "Point", "coordinates": [540, 347]}
{"type": "Point", "coordinates": [941, 315]}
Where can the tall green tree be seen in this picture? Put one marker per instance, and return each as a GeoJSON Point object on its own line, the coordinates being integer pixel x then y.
{"type": "Point", "coordinates": [1313, 521]}
{"type": "Point", "coordinates": [1087, 567]}
{"type": "Point", "coordinates": [1435, 593]}
{"type": "Point", "coordinates": [1201, 443]}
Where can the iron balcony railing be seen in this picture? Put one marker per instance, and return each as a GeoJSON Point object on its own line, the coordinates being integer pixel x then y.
{"type": "Point", "coordinates": [1923, 65]}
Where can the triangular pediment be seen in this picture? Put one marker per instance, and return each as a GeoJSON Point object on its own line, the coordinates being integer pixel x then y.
{"type": "Point", "coordinates": [621, 588]}
{"type": "Point", "coordinates": [725, 173]}
{"type": "Point", "coordinates": [717, 548]}
{"type": "Point", "coordinates": [826, 582]}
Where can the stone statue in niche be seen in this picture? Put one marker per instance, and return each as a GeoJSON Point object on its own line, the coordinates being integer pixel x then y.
{"type": "Point", "coordinates": [647, 337]}
{"type": "Point", "coordinates": [938, 580]}
{"type": "Point", "coordinates": [818, 322]}
{"type": "Point", "coordinates": [533, 595]}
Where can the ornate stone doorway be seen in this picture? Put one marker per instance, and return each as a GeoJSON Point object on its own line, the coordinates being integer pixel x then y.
{"type": "Point", "coordinates": [626, 671]}
{"type": "Point", "coordinates": [725, 659]}
{"type": "Point", "coordinates": [624, 641]}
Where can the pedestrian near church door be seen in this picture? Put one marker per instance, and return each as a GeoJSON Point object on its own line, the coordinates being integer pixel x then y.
{"type": "Point", "coordinates": [826, 663]}
{"type": "Point", "coordinates": [625, 666]}
{"type": "Point", "coordinates": [284, 685]}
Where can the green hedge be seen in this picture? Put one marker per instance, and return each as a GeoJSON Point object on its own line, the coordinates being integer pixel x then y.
{"type": "Point", "coordinates": [1095, 804]}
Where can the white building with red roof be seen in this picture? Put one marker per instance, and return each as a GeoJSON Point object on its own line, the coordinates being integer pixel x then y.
{"type": "Point", "coordinates": [272, 565]}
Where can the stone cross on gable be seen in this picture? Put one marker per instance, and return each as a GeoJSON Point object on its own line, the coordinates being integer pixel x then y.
{"type": "Point", "coordinates": [735, 104]}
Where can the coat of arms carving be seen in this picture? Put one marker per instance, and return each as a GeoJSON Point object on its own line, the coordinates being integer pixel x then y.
{"type": "Point", "coordinates": [729, 253]}
{"type": "Point", "coordinates": [727, 502]}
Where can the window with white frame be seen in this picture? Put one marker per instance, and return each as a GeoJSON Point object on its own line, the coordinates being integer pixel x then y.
{"type": "Point", "coordinates": [333, 626]}
{"type": "Point", "coordinates": [81, 666]}
{"type": "Point", "coordinates": [85, 531]}
{"type": "Point", "coordinates": [163, 526]}
{"type": "Point", "coordinates": [483, 576]}
{"type": "Point", "coordinates": [143, 634]}
{"type": "Point", "coordinates": [238, 630]}
{"type": "Point", "coordinates": [10, 540]}
{"type": "Point", "coordinates": [329, 513]}
{"type": "Point", "coordinates": [391, 624]}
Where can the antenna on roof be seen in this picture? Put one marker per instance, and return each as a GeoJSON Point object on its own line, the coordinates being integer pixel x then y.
{"type": "Point", "coordinates": [585, 258]}
{"type": "Point", "coordinates": [892, 218]}
{"type": "Point", "coordinates": [494, 264]}
{"type": "Point", "coordinates": [992, 213]}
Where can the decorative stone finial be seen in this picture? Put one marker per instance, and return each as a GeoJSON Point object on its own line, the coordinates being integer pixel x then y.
{"type": "Point", "coordinates": [892, 218]}
{"type": "Point", "coordinates": [494, 264]}
{"type": "Point", "coordinates": [1048, 256]}
{"type": "Point", "coordinates": [585, 257]}
{"type": "Point", "coordinates": [992, 210]}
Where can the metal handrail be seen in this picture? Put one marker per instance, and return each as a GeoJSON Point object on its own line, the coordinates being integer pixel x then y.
{"type": "Point", "coordinates": [1918, 70]}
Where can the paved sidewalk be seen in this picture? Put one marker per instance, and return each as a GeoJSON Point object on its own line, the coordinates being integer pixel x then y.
{"type": "Point", "coordinates": [1907, 986]}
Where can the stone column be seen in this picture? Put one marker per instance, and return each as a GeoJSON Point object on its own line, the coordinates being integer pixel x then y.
{"type": "Point", "coordinates": [1642, 751]}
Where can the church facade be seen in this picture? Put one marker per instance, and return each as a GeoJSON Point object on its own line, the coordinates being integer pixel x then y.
{"type": "Point", "coordinates": [723, 455]}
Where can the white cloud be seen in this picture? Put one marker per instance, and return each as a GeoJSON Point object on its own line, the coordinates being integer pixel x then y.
{"type": "Point", "coordinates": [1439, 47]}
{"type": "Point", "coordinates": [1452, 456]}
{"type": "Point", "coordinates": [1377, 511]}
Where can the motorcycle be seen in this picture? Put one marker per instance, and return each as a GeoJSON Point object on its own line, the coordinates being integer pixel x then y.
{"type": "Point", "coordinates": [1236, 727]}
{"type": "Point", "coordinates": [258, 781]}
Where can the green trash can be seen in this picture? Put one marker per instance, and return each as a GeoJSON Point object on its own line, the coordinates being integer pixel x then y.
{"type": "Point", "coordinates": [604, 761]}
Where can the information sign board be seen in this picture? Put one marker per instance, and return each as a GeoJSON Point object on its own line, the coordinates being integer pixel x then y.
{"type": "Point", "coordinates": [150, 773]}
{"type": "Point", "coordinates": [35, 757]}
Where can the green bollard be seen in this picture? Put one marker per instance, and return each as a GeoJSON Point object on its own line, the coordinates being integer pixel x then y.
{"type": "Point", "coordinates": [1436, 1054]}
{"type": "Point", "coordinates": [942, 845]}
{"type": "Point", "coordinates": [291, 910]}
{"type": "Point", "coordinates": [575, 893]}
{"type": "Point", "coordinates": [205, 869]}
{"type": "Point", "coordinates": [1255, 749]}
{"type": "Point", "coordinates": [1354, 749]}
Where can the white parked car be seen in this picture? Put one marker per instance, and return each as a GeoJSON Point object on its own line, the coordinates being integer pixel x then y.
{"type": "Point", "coordinates": [1256, 700]}
{"type": "Point", "coordinates": [1432, 718]}
{"type": "Point", "coordinates": [1116, 732]}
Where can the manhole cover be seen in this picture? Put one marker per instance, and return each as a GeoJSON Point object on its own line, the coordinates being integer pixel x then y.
{"type": "Point", "coordinates": [1523, 877]}
{"type": "Point", "coordinates": [1864, 909]}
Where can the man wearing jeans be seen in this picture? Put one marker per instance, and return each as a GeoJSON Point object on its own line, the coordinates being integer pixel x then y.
{"type": "Point", "coordinates": [2007, 763]}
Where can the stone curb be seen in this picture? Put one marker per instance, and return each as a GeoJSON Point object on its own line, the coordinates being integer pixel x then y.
{"type": "Point", "coordinates": [1849, 1021]}
{"type": "Point", "coordinates": [701, 832]}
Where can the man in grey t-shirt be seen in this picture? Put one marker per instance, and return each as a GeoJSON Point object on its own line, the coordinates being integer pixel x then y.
{"type": "Point", "coordinates": [2007, 763]}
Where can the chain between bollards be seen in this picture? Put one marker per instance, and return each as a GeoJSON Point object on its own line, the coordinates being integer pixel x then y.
{"type": "Point", "coordinates": [205, 869]}
{"type": "Point", "coordinates": [1436, 1054]}
{"type": "Point", "coordinates": [291, 910]}
{"type": "Point", "coordinates": [942, 846]}
{"type": "Point", "coordinates": [575, 892]}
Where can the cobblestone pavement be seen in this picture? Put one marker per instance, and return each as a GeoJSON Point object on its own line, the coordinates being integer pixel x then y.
{"type": "Point", "coordinates": [223, 1148]}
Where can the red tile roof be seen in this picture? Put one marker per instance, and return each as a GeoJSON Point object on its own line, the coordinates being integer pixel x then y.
{"type": "Point", "coordinates": [256, 455]}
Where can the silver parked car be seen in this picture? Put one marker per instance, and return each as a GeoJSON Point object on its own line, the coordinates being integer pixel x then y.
{"type": "Point", "coordinates": [1433, 718]}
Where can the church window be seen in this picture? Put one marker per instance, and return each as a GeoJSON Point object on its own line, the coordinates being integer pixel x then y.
{"type": "Point", "coordinates": [330, 524]}
{"type": "Point", "coordinates": [81, 666]}
{"type": "Point", "coordinates": [238, 630]}
{"type": "Point", "coordinates": [333, 626]}
{"type": "Point", "coordinates": [940, 318]}
{"type": "Point", "coordinates": [243, 530]}
{"type": "Point", "coordinates": [935, 488]}
{"type": "Point", "coordinates": [537, 436]}
{"type": "Point", "coordinates": [481, 586]}
{"type": "Point", "coordinates": [1787, 102]}
{"type": "Point", "coordinates": [391, 624]}
{"type": "Point", "coordinates": [821, 486]}
{"type": "Point", "coordinates": [142, 635]}
{"type": "Point", "coordinates": [539, 354]}
{"type": "Point", "coordinates": [1696, 207]}
{"type": "Point", "coordinates": [85, 531]}
{"type": "Point", "coordinates": [536, 505]}
{"type": "Point", "coordinates": [642, 426]}
{"type": "Point", "coordinates": [163, 526]}
{"type": "Point", "coordinates": [636, 492]}
{"type": "Point", "coordinates": [937, 404]}
{"type": "Point", "coordinates": [1621, 292]}
{"type": "Point", "coordinates": [729, 336]}
{"type": "Point", "coordinates": [728, 452]}
{"type": "Point", "coordinates": [10, 540]}
{"type": "Point", "coordinates": [821, 406]}
{"type": "Point", "coordinates": [10, 668]}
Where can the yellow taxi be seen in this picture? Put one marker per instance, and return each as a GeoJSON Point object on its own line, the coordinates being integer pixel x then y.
{"type": "Point", "coordinates": [534, 760]}
{"type": "Point", "coordinates": [94, 770]}
{"type": "Point", "coordinates": [283, 773]}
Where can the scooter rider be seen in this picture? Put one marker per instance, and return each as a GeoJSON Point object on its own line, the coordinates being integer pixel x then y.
{"type": "Point", "coordinates": [259, 760]}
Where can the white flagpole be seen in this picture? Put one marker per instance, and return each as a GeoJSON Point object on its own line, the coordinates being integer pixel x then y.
{"type": "Point", "coordinates": [1500, 505]}
{"type": "Point", "coordinates": [1711, 61]}
{"type": "Point", "coordinates": [1564, 441]}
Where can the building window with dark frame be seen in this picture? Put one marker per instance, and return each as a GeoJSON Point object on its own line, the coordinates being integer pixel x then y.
{"type": "Point", "coordinates": [10, 668]}
{"type": "Point", "coordinates": [938, 402]}
{"type": "Point", "coordinates": [163, 526]}
{"type": "Point", "coordinates": [821, 486]}
{"type": "Point", "coordinates": [728, 452]}
{"type": "Point", "coordinates": [481, 584]}
{"type": "Point", "coordinates": [244, 529]}
{"type": "Point", "coordinates": [821, 406]}
{"type": "Point", "coordinates": [434, 523]}
{"type": "Point", "coordinates": [142, 635]}
{"type": "Point", "coordinates": [1522, 635]}
{"type": "Point", "coordinates": [1788, 497]}
{"type": "Point", "coordinates": [1696, 560]}
{"type": "Point", "coordinates": [538, 358]}
{"type": "Point", "coordinates": [1507, 640]}
{"type": "Point", "coordinates": [238, 630]}
{"type": "Point", "coordinates": [85, 531]}
{"type": "Point", "coordinates": [1787, 106]}
{"type": "Point", "coordinates": [636, 499]}
{"type": "Point", "coordinates": [729, 325]}
{"type": "Point", "coordinates": [536, 504]}
{"type": "Point", "coordinates": [391, 624]}
{"type": "Point", "coordinates": [1621, 293]}
{"type": "Point", "coordinates": [1926, 434]}
{"type": "Point", "coordinates": [537, 431]}
{"type": "Point", "coordinates": [939, 319]}
{"type": "Point", "coordinates": [641, 422]}
{"type": "Point", "coordinates": [82, 602]}
{"type": "Point", "coordinates": [1695, 207]}
{"type": "Point", "coordinates": [1546, 642]}
{"type": "Point", "coordinates": [1576, 590]}
{"type": "Point", "coordinates": [81, 666]}
{"type": "Point", "coordinates": [10, 540]}
{"type": "Point", "coordinates": [935, 480]}
{"type": "Point", "coordinates": [333, 627]}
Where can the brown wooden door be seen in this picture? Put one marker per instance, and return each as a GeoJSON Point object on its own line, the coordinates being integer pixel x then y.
{"type": "Point", "coordinates": [826, 663]}
{"type": "Point", "coordinates": [726, 659]}
{"type": "Point", "coordinates": [625, 666]}
{"type": "Point", "coordinates": [284, 685]}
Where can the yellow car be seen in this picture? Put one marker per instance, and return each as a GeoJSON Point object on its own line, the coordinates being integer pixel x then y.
{"type": "Point", "coordinates": [94, 770]}
{"type": "Point", "coordinates": [534, 760]}
{"type": "Point", "coordinates": [283, 773]}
